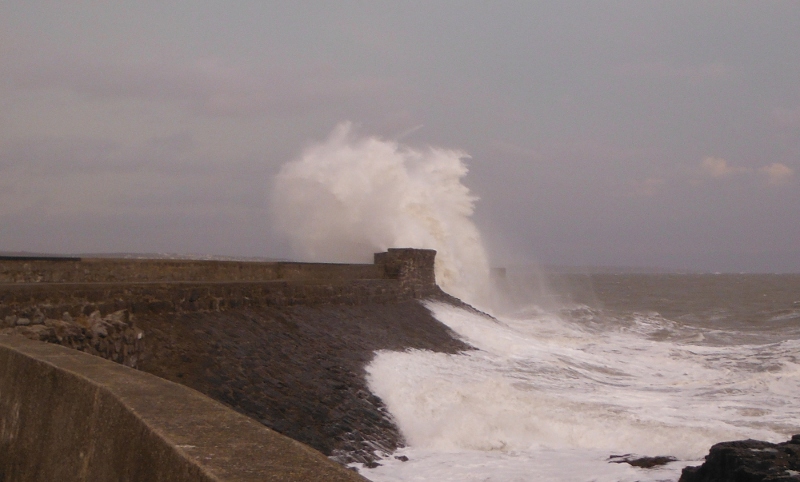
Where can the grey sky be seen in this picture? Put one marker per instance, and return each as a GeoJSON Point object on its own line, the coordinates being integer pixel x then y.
{"type": "Point", "coordinates": [603, 133]}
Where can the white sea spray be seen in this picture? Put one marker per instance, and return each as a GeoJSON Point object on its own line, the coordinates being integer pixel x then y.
{"type": "Point", "coordinates": [350, 196]}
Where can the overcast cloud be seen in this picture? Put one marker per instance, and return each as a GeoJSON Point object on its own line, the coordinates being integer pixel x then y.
{"type": "Point", "coordinates": [604, 133]}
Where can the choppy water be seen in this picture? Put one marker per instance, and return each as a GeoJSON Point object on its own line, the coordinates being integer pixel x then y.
{"type": "Point", "coordinates": [597, 366]}
{"type": "Point", "coordinates": [581, 368]}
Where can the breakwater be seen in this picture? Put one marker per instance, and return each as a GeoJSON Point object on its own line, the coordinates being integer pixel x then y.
{"type": "Point", "coordinates": [283, 343]}
{"type": "Point", "coordinates": [70, 416]}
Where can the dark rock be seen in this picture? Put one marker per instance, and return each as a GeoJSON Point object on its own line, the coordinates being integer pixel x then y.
{"type": "Point", "coordinates": [642, 462]}
{"type": "Point", "coordinates": [9, 321]}
{"type": "Point", "coordinates": [401, 458]}
{"type": "Point", "coordinates": [748, 461]}
{"type": "Point", "coordinates": [109, 337]}
{"type": "Point", "coordinates": [38, 317]}
{"type": "Point", "coordinates": [99, 329]}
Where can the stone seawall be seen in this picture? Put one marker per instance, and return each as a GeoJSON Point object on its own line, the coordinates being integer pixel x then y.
{"type": "Point", "coordinates": [112, 270]}
{"type": "Point", "coordinates": [151, 286]}
{"type": "Point", "coordinates": [398, 264]}
{"type": "Point", "coordinates": [283, 343]}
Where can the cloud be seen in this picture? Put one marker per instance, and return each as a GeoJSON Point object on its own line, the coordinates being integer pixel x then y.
{"type": "Point", "coordinates": [786, 118]}
{"type": "Point", "coordinates": [646, 187]}
{"type": "Point", "coordinates": [718, 167]}
{"type": "Point", "coordinates": [777, 173]}
{"type": "Point", "coordinates": [510, 149]}
{"type": "Point", "coordinates": [48, 156]}
{"type": "Point", "coordinates": [206, 85]}
{"type": "Point", "coordinates": [688, 73]}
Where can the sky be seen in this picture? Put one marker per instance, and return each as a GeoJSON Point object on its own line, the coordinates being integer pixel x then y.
{"type": "Point", "coordinates": [626, 133]}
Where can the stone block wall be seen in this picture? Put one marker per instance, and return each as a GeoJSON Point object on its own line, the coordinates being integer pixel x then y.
{"type": "Point", "coordinates": [80, 288]}
{"type": "Point", "coordinates": [413, 268]}
{"type": "Point", "coordinates": [112, 270]}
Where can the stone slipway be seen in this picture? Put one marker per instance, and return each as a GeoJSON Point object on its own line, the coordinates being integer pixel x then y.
{"type": "Point", "coordinates": [67, 416]}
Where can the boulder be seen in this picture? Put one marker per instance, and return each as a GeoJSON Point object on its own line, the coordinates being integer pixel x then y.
{"type": "Point", "coordinates": [642, 462]}
{"type": "Point", "coordinates": [38, 317]}
{"type": "Point", "coordinates": [9, 321]}
{"type": "Point", "coordinates": [748, 461]}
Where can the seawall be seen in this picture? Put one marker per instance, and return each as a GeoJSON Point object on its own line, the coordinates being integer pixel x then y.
{"type": "Point", "coordinates": [283, 343]}
{"type": "Point", "coordinates": [82, 286]}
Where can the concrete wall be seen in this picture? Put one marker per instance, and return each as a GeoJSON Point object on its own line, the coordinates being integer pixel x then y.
{"type": "Point", "coordinates": [68, 416]}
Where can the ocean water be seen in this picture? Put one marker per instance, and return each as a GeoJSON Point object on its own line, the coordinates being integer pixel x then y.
{"type": "Point", "coordinates": [571, 369]}
{"type": "Point", "coordinates": [597, 366]}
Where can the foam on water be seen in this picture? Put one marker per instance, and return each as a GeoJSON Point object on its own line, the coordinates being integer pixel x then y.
{"type": "Point", "coordinates": [556, 397]}
{"type": "Point", "coordinates": [549, 394]}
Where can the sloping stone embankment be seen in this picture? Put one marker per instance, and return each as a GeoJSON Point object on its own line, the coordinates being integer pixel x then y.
{"type": "Point", "coordinates": [298, 370]}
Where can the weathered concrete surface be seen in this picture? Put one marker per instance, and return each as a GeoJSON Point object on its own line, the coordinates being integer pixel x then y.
{"type": "Point", "coordinates": [68, 416]}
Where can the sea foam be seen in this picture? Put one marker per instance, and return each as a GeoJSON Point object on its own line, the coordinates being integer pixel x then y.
{"type": "Point", "coordinates": [544, 388]}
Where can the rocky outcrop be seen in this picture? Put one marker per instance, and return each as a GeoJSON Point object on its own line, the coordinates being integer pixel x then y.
{"type": "Point", "coordinates": [748, 461]}
{"type": "Point", "coordinates": [642, 462]}
{"type": "Point", "coordinates": [114, 337]}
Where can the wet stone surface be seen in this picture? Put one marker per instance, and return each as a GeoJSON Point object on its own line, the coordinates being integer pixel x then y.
{"type": "Point", "coordinates": [298, 370]}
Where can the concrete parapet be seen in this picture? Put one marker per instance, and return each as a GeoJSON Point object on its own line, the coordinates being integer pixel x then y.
{"type": "Point", "coordinates": [69, 416]}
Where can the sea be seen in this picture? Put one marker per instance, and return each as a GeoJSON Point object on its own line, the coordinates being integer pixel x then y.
{"type": "Point", "coordinates": [573, 373]}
